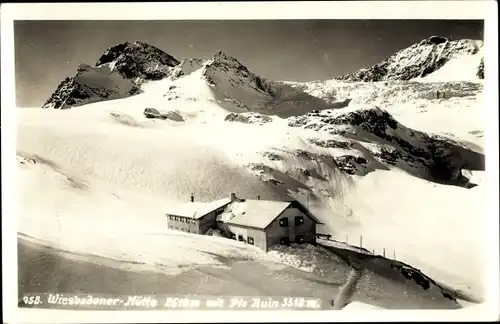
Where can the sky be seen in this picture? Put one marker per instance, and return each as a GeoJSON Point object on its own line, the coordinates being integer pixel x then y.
{"type": "Point", "coordinates": [295, 50]}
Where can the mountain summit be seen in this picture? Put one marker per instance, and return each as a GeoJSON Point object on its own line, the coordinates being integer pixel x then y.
{"type": "Point", "coordinates": [122, 69]}
{"type": "Point", "coordinates": [417, 61]}
{"type": "Point", "coordinates": [118, 73]}
{"type": "Point", "coordinates": [138, 60]}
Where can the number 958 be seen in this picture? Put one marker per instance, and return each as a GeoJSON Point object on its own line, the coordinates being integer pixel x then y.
{"type": "Point", "coordinates": [31, 300]}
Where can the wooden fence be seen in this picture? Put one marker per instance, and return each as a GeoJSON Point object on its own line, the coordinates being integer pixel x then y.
{"type": "Point", "coordinates": [359, 248]}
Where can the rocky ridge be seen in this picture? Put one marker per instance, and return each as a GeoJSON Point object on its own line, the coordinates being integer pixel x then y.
{"type": "Point", "coordinates": [118, 73]}
{"type": "Point", "coordinates": [418, 60]}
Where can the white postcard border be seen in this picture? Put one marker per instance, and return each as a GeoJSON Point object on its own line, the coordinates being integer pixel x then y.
{"type": "Point", "coordinates": [486, 10]}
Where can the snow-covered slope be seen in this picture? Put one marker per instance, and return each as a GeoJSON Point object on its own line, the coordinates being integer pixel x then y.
{"type": "Point", "coordinates": [90, 84]}
{"type": "Point", "coordinates": [459, 68]}
{"type": "Point", "coordinates": [418, 60]}
{"type": "Point", "coordinates": [221, 129]}
{"type": "Point", "coordinates": [239, 90]}
{"type": "Point", "coordinates": [185, 67]}
{"type": "Point", "coordinates": [430, 157]}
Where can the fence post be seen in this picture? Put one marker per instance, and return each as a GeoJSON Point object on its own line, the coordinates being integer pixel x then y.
{"type": "Point", "coordinates": [384, 253]}
{"type": "Point", "coordinates": [361, 241]}
{"type": "Point", "coordinates": [394, 254]}
{"type": "Point", "coordinates": [347, 239]}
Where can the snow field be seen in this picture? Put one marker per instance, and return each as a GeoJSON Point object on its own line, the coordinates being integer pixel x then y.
{"type": "Point", "coordinates": [128, 171]}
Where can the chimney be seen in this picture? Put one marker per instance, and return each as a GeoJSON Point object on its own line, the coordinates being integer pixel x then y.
{"type": "Point", "coordinates": [192, 197]}
{"type": "Point", "coordinates": [232, 196]}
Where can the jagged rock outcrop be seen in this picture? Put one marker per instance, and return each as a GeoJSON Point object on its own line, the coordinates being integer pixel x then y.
{"type": "Point", "coordinates": [239, 90]}
{"type": "Point", "coordinates": [225, 68]}
{"type": "Point", "coordinates": [392, 144]}
{"type": "Point", "coordinates": [248, 118]}
{"type": "Point", "coordinates": [90, 84]}
{"type": "Point", "coordinates": [480, 69]}
{"type": "Point", "coordinates": [117, 74]}
{"type": "Point", "coordinates": [186, 67]}
{"type": "Point", "coordinates": [138, 60]}
{"type": "Point", "coordinates": [153, 113]}
{"type": "Point", "coordinates": [418, 60]}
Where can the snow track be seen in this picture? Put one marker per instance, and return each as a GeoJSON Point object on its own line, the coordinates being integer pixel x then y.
{"type": "Point", "coordinates": [346, 291]}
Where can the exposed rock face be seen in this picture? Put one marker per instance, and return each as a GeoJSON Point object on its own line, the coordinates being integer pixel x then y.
{"type": "Point", "coordinates": [138, 60]}
{"type": "Point", "coordinates": [228, 69]}
{"type": "Point", "coordinates": [330, 143]}
{"type": "Point", "coordinates": [186, 67]}
{"type": "Point", "coordinates": [480, 69]}
{"type": "Point", "coordinates": [248, 118]}
{"type": "Point", "coordinates": [415, 61]}
{"type": "Point", "coordinates": [391, 144]}
{"type": "Point", "coordinates": [153, 113]}
{"type": "Point", "coordinates": [89, 85]}
{"type": "Point", "coordinates": [117, 74]}
{"type": "Point", "coordinates": [240, 90]}
{"type": "Point", "coordinates": [350, 164]}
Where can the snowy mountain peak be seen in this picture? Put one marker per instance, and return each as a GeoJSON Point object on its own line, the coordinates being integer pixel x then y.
{"type": "Point", "coordinates": [223, 57]}
{"type": "Point", "coordinates": [138, 60]}
{"type": "Point", "coordinates": [417, 60]}
{"type": "Point", "coordinates": [90, 84]}
{"type": "Point", "coordinates": [118, 73]}
{"type": "Point", "coordinates": [225, 62]}
{"type": "Point", "coordinates": [223, 68]}
{"type": "Point", "coordinates": [241, 90]}
{"type": "Point", "coordinates": [186, 67]}
{"type": "Point", "coordinates": [135, 48]}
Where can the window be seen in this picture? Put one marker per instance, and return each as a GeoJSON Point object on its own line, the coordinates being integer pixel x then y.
{"type": "Point", "coordinates": [241, 238]}
{"type": "Point", "coordinates": [284, 241]}
{"type": "Point", "coordinates": [284, 222]}
{"type": "Point", "coordinates": [176, 218]}
{"type": "Point", "coordinates": [299, 220]}
{"type": "Point", "coordinates": [250, 240]}
{"type": "Point", "coordinates": [232, 235]}
{"type": "Point", "coordinates": [299, 239]}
